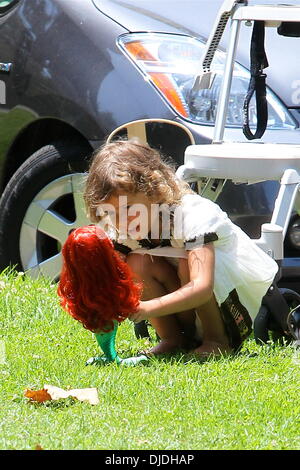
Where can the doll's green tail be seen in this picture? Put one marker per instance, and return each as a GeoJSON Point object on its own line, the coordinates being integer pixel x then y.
{"type": "Point", "coordinates": [107, 342]}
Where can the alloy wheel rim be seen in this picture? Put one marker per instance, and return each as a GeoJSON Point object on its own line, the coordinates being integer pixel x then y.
{"type": "Point", "coordinates": [48, 222]}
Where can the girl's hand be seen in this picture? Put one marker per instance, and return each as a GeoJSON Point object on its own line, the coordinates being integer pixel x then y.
{"type": "Point", "coordinates": [141, 314]}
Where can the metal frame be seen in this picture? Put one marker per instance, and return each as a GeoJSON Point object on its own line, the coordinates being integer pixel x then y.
{"type": "Point", "coordinates": [272, 235]}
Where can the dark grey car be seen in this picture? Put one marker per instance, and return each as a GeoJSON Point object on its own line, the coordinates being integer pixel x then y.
{"type": "Point", "coordinates": [73, 71]}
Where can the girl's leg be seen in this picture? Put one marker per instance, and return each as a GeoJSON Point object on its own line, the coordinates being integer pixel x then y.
{"type": "Point", "coordinates": [187, 318]}
{"type": "Point", "coordinates": [215, 340]}
{"type": "Point", "coordinates": [159, 278]}
{"type": "Point", "coordinates": [213, 335]}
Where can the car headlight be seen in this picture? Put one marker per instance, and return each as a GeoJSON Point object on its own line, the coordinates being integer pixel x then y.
{"type": "Point", "coordinates": [171, 63]}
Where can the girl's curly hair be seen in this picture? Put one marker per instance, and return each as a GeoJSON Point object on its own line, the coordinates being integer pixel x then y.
{"type": "Point", "coordinates": [131, 166]}
{"type": "Point", "coordinates": [96, 286]}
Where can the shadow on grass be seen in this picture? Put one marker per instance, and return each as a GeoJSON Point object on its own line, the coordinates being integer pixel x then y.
{"type": "Point", "coordinates": [61, 404]}
{"type": "Point", "coordinates": [191, 358]}
{"type": "Point", "coordinates": [169, 358]}
{"type": "Point", "coordinates": [183, 357]}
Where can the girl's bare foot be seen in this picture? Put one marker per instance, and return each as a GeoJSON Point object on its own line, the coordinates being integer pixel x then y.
{"type": "Point", "coordinates": [164, 347]}
{"type": "Point", "coordinates": [212, 348]}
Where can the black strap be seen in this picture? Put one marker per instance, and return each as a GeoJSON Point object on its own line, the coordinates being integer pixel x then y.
{"type": "Point", "coordinates": [257, 83]}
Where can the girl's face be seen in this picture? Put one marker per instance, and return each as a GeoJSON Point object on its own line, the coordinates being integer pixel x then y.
{"type": "Point", "coordinates": [130, 214]}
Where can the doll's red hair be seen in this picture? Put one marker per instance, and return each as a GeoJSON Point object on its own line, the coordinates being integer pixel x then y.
{"type": "Point", "coordinates": [96, 286]}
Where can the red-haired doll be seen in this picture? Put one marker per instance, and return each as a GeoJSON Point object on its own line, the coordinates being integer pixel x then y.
{"type": "Point", "coordinates": [97, 288]}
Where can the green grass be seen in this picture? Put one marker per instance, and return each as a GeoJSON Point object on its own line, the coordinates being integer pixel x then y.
{"type": "Point", "coordinates": [250, 401]}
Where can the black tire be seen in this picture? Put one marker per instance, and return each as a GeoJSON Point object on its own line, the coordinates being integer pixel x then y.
{"type": "Point", "coordinates": [261, 325]}
{"type": "Point", "coordinates": [292, 297]}
{"type": "Point", "coordinates": [41, 170]}
{"type": "Point", "coordinates": [264, 326]}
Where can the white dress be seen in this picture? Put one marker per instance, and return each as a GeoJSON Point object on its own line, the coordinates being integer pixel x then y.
{"type": "Point", "coordinates": [243, 272]}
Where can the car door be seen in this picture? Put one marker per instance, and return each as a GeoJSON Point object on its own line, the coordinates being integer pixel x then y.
{"type": "Point", "coordinates": [12, 117]}
{"type": "Point", "coordinates": [5, 54]}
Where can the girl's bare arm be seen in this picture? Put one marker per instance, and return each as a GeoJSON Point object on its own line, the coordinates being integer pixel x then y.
{"type": "Point", "coordinates": [198, 291]}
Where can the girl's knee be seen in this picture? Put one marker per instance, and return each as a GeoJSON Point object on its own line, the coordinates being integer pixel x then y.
{"type": "Point", "coordinates": [140, 264]}
{"type": "Point", "coordinates": [148, 267]}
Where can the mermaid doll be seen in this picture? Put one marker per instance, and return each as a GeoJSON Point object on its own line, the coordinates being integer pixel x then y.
{"type": "Point", "coordinates": [97, 288]}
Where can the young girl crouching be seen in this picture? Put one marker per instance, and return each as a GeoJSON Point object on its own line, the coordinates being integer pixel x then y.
{"type": "Point", "coordinates": [203, 277]}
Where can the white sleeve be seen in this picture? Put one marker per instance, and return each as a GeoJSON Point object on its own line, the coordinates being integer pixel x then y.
{"type": "Point", "coordinates": [201, 221]}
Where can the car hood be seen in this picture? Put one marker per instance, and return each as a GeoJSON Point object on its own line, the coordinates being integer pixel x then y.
{"type": "Point", "coordinates": [196, 18]}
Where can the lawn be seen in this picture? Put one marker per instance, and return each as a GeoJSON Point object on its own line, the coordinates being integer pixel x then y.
{"type": "Point", "coordinates": [250, 401]}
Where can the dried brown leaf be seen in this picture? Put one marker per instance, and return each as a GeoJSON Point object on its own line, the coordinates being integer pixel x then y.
{"type": "Point", "coordinates": [37, 395]}
{"type": "Point", "coordinates": [50, 392]}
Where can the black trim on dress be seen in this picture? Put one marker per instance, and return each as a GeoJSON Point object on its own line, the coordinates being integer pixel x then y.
{"type": "Point", "coordinates": [237, 321]}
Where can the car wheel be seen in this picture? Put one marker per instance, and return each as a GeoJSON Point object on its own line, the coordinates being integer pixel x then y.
{"type": "Point", "coordinates": [40, 205]}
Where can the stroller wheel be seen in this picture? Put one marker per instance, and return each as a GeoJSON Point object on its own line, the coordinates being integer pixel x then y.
{"type": "Point", "coordinates": [293, 320]}
{"type": "Point", "coordinates": [292, 297]}
{"type": "Point", "coordinates": [265, 327]}
{"type": "Point", "coordinates": [260, 326]}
